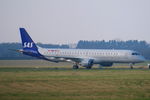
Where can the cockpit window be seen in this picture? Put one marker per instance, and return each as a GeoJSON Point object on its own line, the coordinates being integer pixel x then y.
{"type": "Point", "coordinates": [135, 53]}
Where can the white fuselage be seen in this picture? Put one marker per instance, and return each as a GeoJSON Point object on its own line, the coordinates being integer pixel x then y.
{"type": "Point", "coordinates": [99, 55]}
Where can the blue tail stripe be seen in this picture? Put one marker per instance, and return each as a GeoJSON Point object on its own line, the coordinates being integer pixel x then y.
{"type": "Point", "coordinates": [27, 42]}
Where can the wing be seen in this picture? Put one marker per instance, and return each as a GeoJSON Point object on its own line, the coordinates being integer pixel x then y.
{"type": "Point", "coordinates": [62, 59]}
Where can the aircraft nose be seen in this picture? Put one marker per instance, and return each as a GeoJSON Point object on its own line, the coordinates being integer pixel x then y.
{"type": "Point", "coordinates": [142, 59]}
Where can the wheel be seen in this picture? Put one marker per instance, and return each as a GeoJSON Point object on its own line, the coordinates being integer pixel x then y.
{"type": "Point", "coordinates": [131, 66]}
{"type": "Point", "coordinates": [88, 67]}
{"type": "Point", "coordinates": [149, 66]}
{"type": "Point", "coordinates": [75, 66]}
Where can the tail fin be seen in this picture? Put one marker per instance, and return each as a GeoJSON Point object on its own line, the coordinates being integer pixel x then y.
{"type": "Point", "coordinates": [27, 42]}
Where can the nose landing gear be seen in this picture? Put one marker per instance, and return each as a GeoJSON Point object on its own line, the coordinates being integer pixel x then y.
{"type": "Point", "coordinates": [148, 66]}
{"type": "Point", "coordinates": [131, 65]}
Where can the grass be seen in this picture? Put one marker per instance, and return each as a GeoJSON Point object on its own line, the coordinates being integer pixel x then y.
{"type": "Point", "coordinates": [28, 82]}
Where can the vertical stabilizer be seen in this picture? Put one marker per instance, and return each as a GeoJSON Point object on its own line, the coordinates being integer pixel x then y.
{"type": "Point", "coordinates": [27, 42]}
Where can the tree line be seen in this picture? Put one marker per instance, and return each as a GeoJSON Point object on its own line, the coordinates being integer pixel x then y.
{"type": "Point", "coordinates": [7, 49]}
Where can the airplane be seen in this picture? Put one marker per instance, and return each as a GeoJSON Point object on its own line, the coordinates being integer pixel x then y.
{"type": "Point", "coordinates": [79, 57]}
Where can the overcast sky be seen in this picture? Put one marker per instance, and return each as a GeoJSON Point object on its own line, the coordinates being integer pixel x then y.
{"type": "Point", "coordinates": [67, 21]}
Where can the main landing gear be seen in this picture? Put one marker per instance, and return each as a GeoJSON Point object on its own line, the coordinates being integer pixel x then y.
{"type": "Point", "coordinates": [88, 67]}
{"type": "Point", "coordinates": [75, 66]}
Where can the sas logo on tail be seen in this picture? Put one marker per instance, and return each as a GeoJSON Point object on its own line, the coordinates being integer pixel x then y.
{"type": "Point", "coordinates": [28, 44]}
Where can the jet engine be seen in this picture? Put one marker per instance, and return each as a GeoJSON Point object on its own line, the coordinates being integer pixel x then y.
{"type": "Point", "coordinates": [106, 64]}
{"type": "Point", "coordinates": [88, 63]}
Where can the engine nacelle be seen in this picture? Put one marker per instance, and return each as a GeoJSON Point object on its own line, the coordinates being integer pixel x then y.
{"type": "Point", "coordinates": [106, 64]}
{"type": "Point", "coordinates": [87, 63]}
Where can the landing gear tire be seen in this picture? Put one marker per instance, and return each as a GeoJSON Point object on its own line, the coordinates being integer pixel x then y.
{"type": "Point", "coordinates": [131, 66]}
{"type": "Point", "coordinates": [148, 66]}
{"type": "Point", "coordinates": [75, 66]}
{"type": "Point", "coordinates": [88, 67]}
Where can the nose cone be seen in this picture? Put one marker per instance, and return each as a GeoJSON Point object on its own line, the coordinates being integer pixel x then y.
{"type": "Point", "coordinates": [141, 59]}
